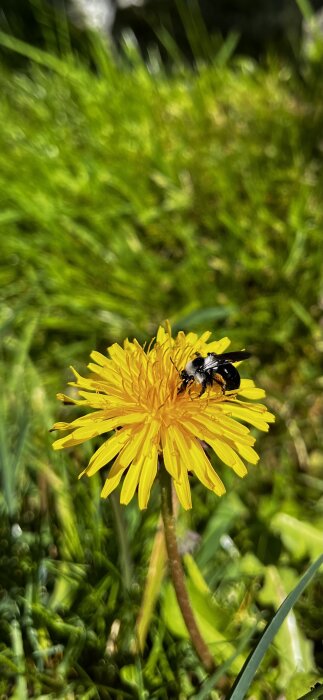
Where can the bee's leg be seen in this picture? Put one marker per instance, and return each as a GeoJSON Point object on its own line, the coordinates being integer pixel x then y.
{"type": "Point", "coordinates": [220, 381]}
{"type": "Point", "coordinates": [185, 383]}
{"type": "Point", "coordinates": [190, 384]}
{"type": "Point", "coordinates": [181, 388]}
{"type": "Point", "coordinates": [207, 381]}
{"type": "Point", "coordinates": [203, 387]}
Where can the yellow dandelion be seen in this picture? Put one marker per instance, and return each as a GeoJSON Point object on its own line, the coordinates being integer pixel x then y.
{"type": "Point", "coordinates": [134, 392]}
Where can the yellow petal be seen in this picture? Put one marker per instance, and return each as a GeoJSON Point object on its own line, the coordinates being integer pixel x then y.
{"type": "Point", "coordinates": [205, 429]}
{"type": "Point", "coordinates": [220, 415]}
{"type": "Point", "coordinates": [161, 335]}
{"type": "Point", "coordinates": [247, 383]}
{"type": "Point", "coordinates": [93, 430]}
{"type": "Point", "coordinates": [69, 399]}
{"type": "Point", "coordinates": [131, 480]}
{"type": "Point", "coordinates": [145, 460]}
{"type": "Point", "coordinates": [132, 450]}
{"type": "Point", "coordinates": [194, 458]}
{"type": "Point", "coordinates": [82, 420]}
{"type": "Point", "coordinates": [257, 408]}
{"type": "Point", "coordinates": [147, 477]}
{"type": "Point", "coordinates": [171, 453]}
{"type": "Point", "coordinates": [107, 451]}
{"type": "Point", "coordinates": [248, 453]}
{"type": "Point", "coordinates": [85, 432]}
{"type": "Point", "coordinates": [111, 483]}
{"type": "Point", "coordinates": [183, 491]}
{"type": "Point", "coordinates": [85, 382]}
{"type": "Point", "coordinates": [66, 441]}
{"type": "Point", "coordinates": [253, 393]}
{"type": "Point", "coordinates": [189, 339]}
{"type": "Point", "coordinates": [100, 359]}
{"type": "Point", "coordinates": [127, 454]}
{"type": "Point", "coordinates": [228, 456]}
{"type": "Point", "coordinates": [107, 373]}
{"type": "Point", "coordinates": [119, 357]}
{"type": "Point", "coordinates": [219, 346]}
{"type": "Point", "coordinates": [93, 399]}
{"type": "Point", "coordinates": [257, 419]}
{"type": "Point", "coordinates": [204, 337]}
{"type": "Point", "coordinates": [61, 426]}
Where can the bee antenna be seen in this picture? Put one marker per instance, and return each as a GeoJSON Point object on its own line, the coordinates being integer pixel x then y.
{"type": "Point", "coordinates": [173, 363]}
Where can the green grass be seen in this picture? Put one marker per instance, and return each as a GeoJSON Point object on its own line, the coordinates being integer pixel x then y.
{"type": "Point", "coordinates": [129, 196]}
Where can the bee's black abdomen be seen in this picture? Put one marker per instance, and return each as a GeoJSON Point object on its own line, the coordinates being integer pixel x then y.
{"type": "Point", "coordinates": [230, 375]}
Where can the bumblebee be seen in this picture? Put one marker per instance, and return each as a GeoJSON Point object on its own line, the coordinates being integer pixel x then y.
{"type": "Point", "coordinates": [213, 369]}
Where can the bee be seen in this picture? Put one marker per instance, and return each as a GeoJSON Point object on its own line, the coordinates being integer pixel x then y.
{"type": "Point", "coordinates": [213, 369]}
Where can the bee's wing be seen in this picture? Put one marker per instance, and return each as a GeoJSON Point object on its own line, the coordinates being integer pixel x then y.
{"type": "Point", "coordinates": [213, 361]}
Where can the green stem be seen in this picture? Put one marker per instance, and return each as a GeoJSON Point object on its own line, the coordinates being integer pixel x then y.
{"type": "Point", "coordinates": [177, 572]}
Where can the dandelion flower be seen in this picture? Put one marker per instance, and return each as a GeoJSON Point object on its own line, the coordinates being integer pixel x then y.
{"type": "Point", "coordinates": [134, 392]}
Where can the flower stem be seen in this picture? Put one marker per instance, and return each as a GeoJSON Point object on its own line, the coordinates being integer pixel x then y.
{"type": "Point", "coordinates": [177, 572]}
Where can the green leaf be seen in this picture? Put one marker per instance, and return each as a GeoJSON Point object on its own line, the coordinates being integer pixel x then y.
{"type": "Point", "coordinates": [252, 664]}
{"type": "Point", "coordinates": [203, 316]}
{"type": "Point", "coordinates": [153, 583]}
{"type": "Point", "coordinates": [210, 618]}
{"type": "Point", "coordinates": [299, 537]}
{"type": "Point", "coordinates": [132, 675]}
{"type": "Point", "coordinates": [300, 683]}
{"type": "Point", "coordinates": [21, 690]}
{"type": "Point", "coordinates": [294, 651]}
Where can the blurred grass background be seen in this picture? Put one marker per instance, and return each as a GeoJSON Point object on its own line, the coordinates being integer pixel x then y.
{"type": "Point", "coordinates": [131, 193]}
